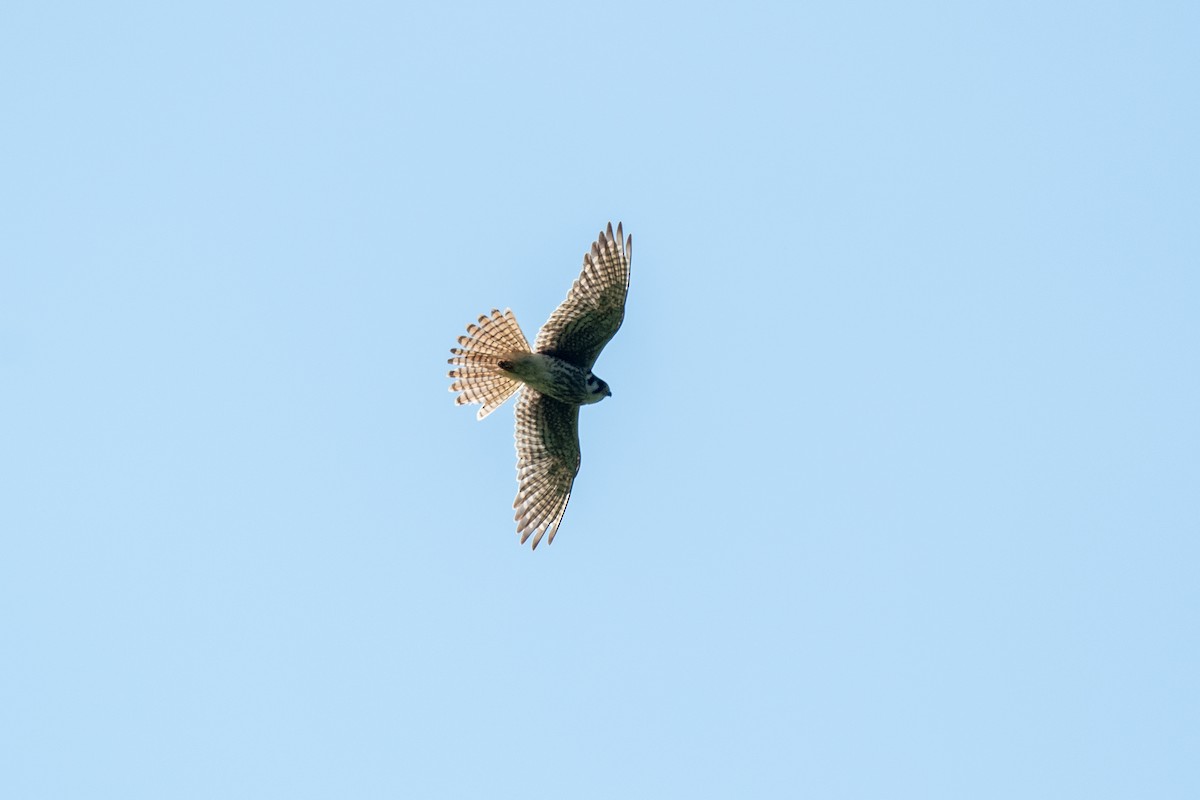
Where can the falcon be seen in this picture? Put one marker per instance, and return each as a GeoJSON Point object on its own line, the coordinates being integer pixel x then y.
{"type": "Point", "coordinates": [554, 376]}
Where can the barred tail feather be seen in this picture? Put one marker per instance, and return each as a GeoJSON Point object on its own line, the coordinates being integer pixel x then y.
{"type": "Point", "coordinates": [479, 375]}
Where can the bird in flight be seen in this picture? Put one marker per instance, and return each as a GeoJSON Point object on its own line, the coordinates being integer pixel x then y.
{"type": "Point", "coordinates": [495, 360]}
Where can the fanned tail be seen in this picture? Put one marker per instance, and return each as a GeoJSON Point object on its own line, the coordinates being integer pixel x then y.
{"type": "Point", "coordinates": [479, 375]}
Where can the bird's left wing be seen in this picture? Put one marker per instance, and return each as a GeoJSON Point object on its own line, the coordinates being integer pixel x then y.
{"type": "Point", "coordinates": [547, 462]}
{"type": "Point", "coordinates": [595, 307]}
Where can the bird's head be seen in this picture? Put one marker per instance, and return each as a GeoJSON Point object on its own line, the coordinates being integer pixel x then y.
{"type": "Point", "coordinates": [597, 389]}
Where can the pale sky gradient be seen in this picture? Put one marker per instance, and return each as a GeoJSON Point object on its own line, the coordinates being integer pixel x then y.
{"type": "Point", "coordinates": [898, 494]}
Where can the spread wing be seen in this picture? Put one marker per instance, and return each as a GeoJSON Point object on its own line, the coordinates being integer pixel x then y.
{"type": "Point", "coordinates": [547, 463]}
{"type": "Point", "coordinates": [579, 328]}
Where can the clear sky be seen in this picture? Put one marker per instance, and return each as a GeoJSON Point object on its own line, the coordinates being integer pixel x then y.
{"type": "Point", "coordinates": [898, 494]}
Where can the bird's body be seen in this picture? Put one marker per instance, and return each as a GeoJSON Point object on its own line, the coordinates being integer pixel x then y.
{"type": "Point", "coordinates": [495, 361]}
{"type": "Point", "coordinates": [554, 377]}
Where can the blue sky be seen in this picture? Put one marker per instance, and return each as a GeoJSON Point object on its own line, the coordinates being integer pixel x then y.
{"type": "Point", "coordinates": [896, 495]}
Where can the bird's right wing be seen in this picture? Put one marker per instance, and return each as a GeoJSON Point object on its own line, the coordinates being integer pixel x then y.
{"type": "Point", "coordinates": [595, 307]}
{"type": "Point", "coordinates": [547, 439]}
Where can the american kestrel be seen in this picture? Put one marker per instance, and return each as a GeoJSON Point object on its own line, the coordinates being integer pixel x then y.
{"type": "Point", "coordinates": [495, 360]}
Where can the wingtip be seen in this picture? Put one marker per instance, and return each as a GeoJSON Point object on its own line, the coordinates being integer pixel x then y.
{"type": "Point", "coordinates": [621, 240]}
